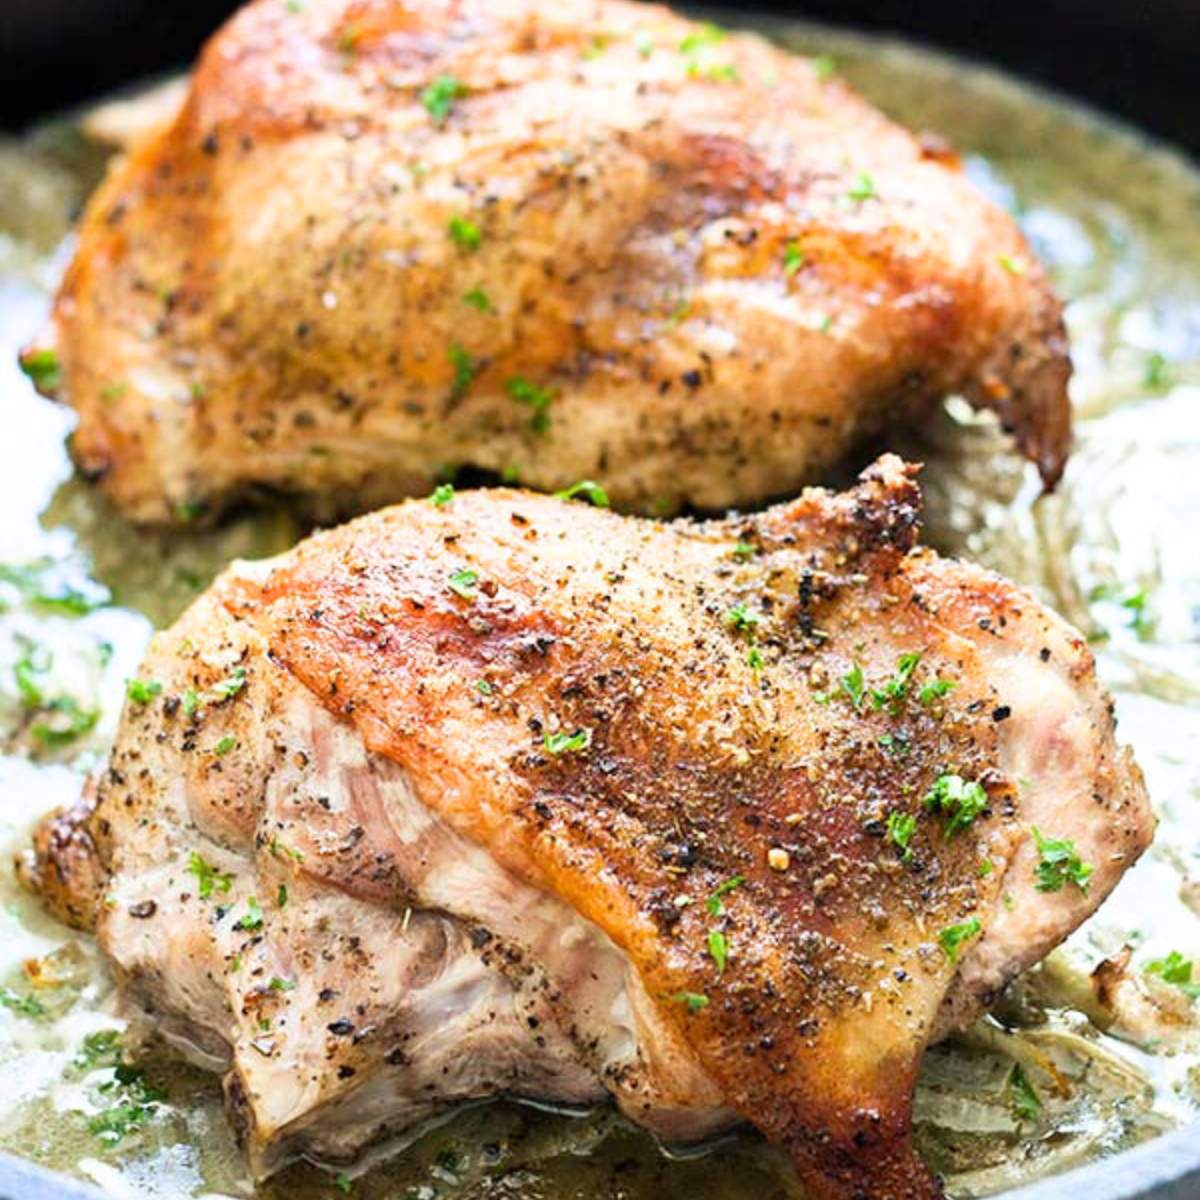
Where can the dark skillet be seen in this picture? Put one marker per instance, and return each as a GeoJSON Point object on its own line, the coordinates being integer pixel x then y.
{"type": "Point", "coordinates": [1139, 59]}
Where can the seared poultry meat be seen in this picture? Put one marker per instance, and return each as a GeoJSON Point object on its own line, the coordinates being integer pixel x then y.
{"type": "Point", "coordinates": [496, 792]}
{"type": "Point", "coordinates": [583, 240]}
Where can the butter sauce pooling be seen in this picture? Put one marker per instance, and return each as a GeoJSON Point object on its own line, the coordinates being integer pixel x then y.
{"type": "Point", "coordinates": [1053, 1078]}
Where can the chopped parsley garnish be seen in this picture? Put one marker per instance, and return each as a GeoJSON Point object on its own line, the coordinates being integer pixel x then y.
{"type": "Point", "coordinates": [742, 619]}
{"type": "Point", "coordinates": [851, 684]}
{"type": "Point", "coordinates": [464, 370]}
{"type": "Point", "coordinates": [1157, 374]}
{"type": "Point", "coordinates": [586, 488]}
{"type": "Point", "coordinates": [465, 234]}
{"type": "Point", "coordinates": [227, 688]}
{"type": "Point", "coordinates": [253, 919]}
{"type": "Point", "coordinates": [823, 67]}
{"type": "Point", "coordinates": [281, 985]}
{"type": "Point", "coordinates": [1175, 970]}
{"type": "Point", "coordinates": [26, 1006]}
{"type": "Point", "coordinates": [695, 1001]}
{"type": "Point", "coordinates": [483, 687]}
{"type": "Point", "coordinates": [958, 800]}
{"type": "Point", "coordinates": [534, 397]}
{"type": "Point", "coordinates": [341, 1181]}
{"type": "Point", "coordinates": [952, 937]}
{"type": "Point", "coordinates": [1059, 864]}
{"type": "Point", "coordinates": [716, 903]}
{"type": "Point", "coordinates": [224, 745]}
{"type": "Point", "coordinates": [1141, 621]}
{"type": "Point", "coordinates": [99, 1049]}
{"type": "Point", "coordinates": [863, 189]}
{"type": "Point", "coordinates": [754, 659]}
{"type": "Point", "coordinates": [74, 722]}
{"type": "Point", "coordinates": [793, 258]}
{"type": "Point", "coordinates": [477, 298]}
{"type": "Point", "coordinates": [282, 850]}
{"type": "Point", "coordinates": [900, 829]}
{"type": "Point", "coordinates": [895, 689]}
{"type": "Point", "coordinates": [441, 495]}
{"type": "Point", "coordinates": [567, 743]}
{"type": "Point", "coordinates": [191, 702]}
{"type": "Point", "coordinates": [134, 1108]}
{"type": "Point", "coordinates": [745, 551]}
{"type": "Point", "coordinates": [704, 35]}
{"type": "Point", "coordinates": [1025, 1101]}
{"type": "Point", "coordinates": [42, 368]}
{"type": "Point", "coordinates": [462, 583]}
{"type": "Point", "coordinates": [895, 743]}
{"type": "Point", "coordinates": [281, 896]}
{"type": "Point", "coordinates": [40, 586]}
{"type": "Point", "coordinates": [208, 878]}
{"type": "Point", "coordinates": [1011, 265]}
{"type": "Point", "coordinates": [935, 689]}
{"type": "Point", "coordinates": [718, 949]}
{"type": "Point", "coordinates": [142, 691]}
{"type": "Point", "coordinates": [985, 868]}
{"type": "Point", "coordinates": [439, 97]}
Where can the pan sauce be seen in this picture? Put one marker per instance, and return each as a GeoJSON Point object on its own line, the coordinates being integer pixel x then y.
{"type": "Point", "coordinates": [1053, 1078]}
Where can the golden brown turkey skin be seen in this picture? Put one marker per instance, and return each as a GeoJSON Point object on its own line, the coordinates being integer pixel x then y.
{"type": "Point", "coordinates": [618, 247]}
{"type": "Point", "coordinates": [697, 744]}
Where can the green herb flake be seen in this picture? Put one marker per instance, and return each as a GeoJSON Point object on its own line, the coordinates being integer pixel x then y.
{"type": "Point", "coordinates": [224, 745]}
{"type": "Point", "coordinates": [894, 691]}
{"type": "Point", "coordinates": [72, 721]}
{"type": "Point", "coordinates": [716, 901]}
{"type": "Point", "coordinates": [852, 685]}
{"type": "Point", "coordinates": [281, 896]}
{"type": "Point", "coordinates": [341, 1181]}
{"type": "Point", "coordinates": [191, 702]}
{"type": "Point", "coordinates": [99, 1049]}
{"type": "Point", "coordinates": [477, 298]}
{"type": "Point", "coordinates": [42, 368]}
{"type": "Point", "coordinates": [253, 919]}
{"type": "Point", "coordinates": [823, 67]}
{"type": "Point", "coordinates": [985, 868]}
{"type": "Point", "coordinates": [1011, 265]}
{"type": "Point", "coordinates": [744, 551]}
{"type": "Point", "coordinates": [462, 583]}
{"type": "Point", "coordinates": [958, 800]}
{"type": "Point", "coordinates": [934, 690]}
{"type": "Point", "coordinates": [463, 368]}
{"type": "Point", "coordinates": [1059, 864]}
{"type": "Point", "coordinates": [863, 189]}
{"type": "Point", "coordinates": [718, 949]}
{"type": "Point", "coordinates": [793, 258]}
{"type": "Point", "coordinates": [25, 1006]}
{"type": "Point", "coordinates": [1175, 970]}
{"type": "Point", "coordinates": [464, 233]}
{"type": "Point", "coordinates": [953, 936]}
{"type": "Point", "coordinates": [142, 691]}
{"type": "Point", "coordinates": [900, 829]}
{"type": "Point", "coordinates": [590, 491]}
{"type": "Point", "coordinates": [439, 96]}
{"type": "Point", "coordinates": [567, 743]}
{"type": "Point", "coordinates": [1156, 375]}
{"type": "Point", "coordinates": [695, 1001]}
{"type": "Point", "coordinates": [754, 659]}
{"type": "Point", "coordinates": [281, 985]}
{"type": "Point", "coordinates": [227, 688]}
{"type": "Point", "coordinates": [742, 619]}
{"type": "Point", "coordinates": [208, 878]}
{"type": "Point", "coordinates": [1025, 1101]}
{"type": "Point", "coordinates": [441, 495]}
{"type": "Point", "coordinates": [533, 397]}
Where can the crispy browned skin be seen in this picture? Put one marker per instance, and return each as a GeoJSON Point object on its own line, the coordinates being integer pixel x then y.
{"type": "Point", "coordinates": [698, 763]}
{"type": "Point", "coordinates": [266, 294]}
